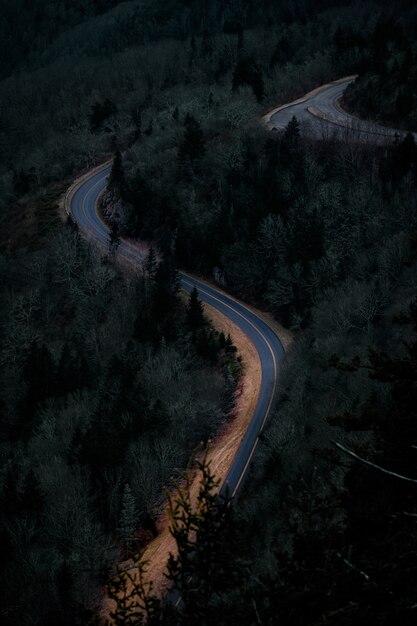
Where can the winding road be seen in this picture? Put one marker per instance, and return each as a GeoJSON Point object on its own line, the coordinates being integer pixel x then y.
{"type": "Point", "coordinates": [321, 116]}
{"type": "Point", "coordinates": [81, 202]}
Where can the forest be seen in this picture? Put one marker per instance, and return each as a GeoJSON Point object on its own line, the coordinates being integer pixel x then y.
{"type": "Point", "coordinates": [110, 378]}
{"type": "Point", "coordinates": [108, 383]}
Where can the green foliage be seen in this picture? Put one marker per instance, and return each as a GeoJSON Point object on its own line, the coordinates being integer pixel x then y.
{"type": "Point", "coordinates": [94, 420]}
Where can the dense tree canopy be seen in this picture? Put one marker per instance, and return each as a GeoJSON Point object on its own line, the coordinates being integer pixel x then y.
{"type": "Point", "coordinates": [109, 379]}
{"type": "Point", "coordinates": [94, 422]}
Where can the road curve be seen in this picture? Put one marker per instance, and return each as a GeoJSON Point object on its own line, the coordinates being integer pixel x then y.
{"type": "Point", "coordinates": [81, 202]}
{"type": "Point", "coordinates": [321, 116]}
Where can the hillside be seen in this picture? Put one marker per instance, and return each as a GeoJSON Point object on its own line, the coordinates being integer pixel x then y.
{"type": "Point", "coordinates": [110, 377]}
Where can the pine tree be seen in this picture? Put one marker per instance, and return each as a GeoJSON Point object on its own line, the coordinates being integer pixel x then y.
{"type": "Point", "coordinates": [39, 375]}
{"type": "Point", "coordinates": [134, 599]}
{"type": "Point", "coordinates": [167, 278]}
{"type": "Point", "coordinates": [193, 48]}
{"type": "Point", "coordinates": [201, 568]}
{"type": "Point", "coordinates": [100, 113]}
{"type": "Point", "coordinates": [281, 52]}
{"type": "Point", "coordinates": [291, 151]}
{"type": "Point", "coordinates": [32, 497]}
{"type": "Point", "coordinates": [240, 39]}
{"type": "Point", "coordinates": [151, 264]}
{"type": "Point", "coordinates": [292, 133]}
{"type": "Point", "coordinates": [149, 130]}
{"type": "Point", "coordinates": [21, 183]}
{"type": "Point", "coordinates": [136, 115]}
{"type": "Point", "coordinates": [192, 146]}
{"type": "Point", "coordinates": [67, 372]}
{"type": "Point", "coordinates": [117, 182]}
{"type": "Point", "coordinates": [140, 196]}
{"type": "Point", "coordinates": [64, 583]}
{"type": "Point", "coordinates": [382, 482]}
{"type": "Point", "coordinates": [229, 346]}
{"type": "Point", "coordinates": [114, 238]}
{"type": "Point", "coordinates": [247, 72]}
{"type": "Point", "coordinates": [195, 311]}
{"type": "Point", "coordinates": [128, 519]}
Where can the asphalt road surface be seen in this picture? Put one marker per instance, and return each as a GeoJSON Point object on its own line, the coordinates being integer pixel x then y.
{"type": "Point", "coordinates": [321, 116]}
{"type": "Point", "coordinates": [82, 205]}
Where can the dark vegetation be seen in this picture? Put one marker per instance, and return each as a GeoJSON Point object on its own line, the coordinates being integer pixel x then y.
{"type": "Point", "coordinates": [86, 85]}
{"type": "Point", "coordinates": [321, 536]}
{"type": "Point", "coordinates": [386, 89]}
{"type": "Point", "coordinates": [108, 381]}
{"type": "Point", "coordinates": [107, 384]}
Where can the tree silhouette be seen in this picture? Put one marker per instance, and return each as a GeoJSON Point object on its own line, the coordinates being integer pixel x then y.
{"type": "Point", "coordinates": [247, 72]}
{"type": "Point", "coordinates": [100, 113]}
{"type": "Point", "coordinates": [117, 182]}
{"type": "Point", "coordinates": [192, 146]}
{"type": "Point", "coordinates": [128, 519]}
{"type": "Point", "coordinates": [200, 569]}
{"type": "Point", "coordinates": [195, 311]}
{"type": "Point", "coordinates": [114, 238]}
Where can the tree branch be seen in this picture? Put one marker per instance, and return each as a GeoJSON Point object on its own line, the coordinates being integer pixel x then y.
{"type": "Point", "coordinates": [378, 467]}
{"type": "Point", "coordinates": [352, 566]}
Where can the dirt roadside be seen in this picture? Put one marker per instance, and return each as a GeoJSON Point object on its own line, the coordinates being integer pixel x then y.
{"type": "Point", "coordinates": [222, 449]}
{"type": "Point", "coordinates": [225, 444]}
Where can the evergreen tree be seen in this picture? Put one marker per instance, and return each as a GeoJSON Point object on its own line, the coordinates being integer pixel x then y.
{"type": "Point", "coordinates": [32, 497]}
{"type": "Point", "coordinates": [10, 497]}
{"type": "Point", "coordinates": [68, 375]}
{"type": "Point", "coordinates": [39, 375]}
{"type": "Point", "coordinates": [192, 146]}
{"type": "Point", "coordinates": [114, 238]}
{"type": "Point", "coordinates": [21, 183]}
{"type": "Point", "coordinates": [100, 113]}
{"type": "Point", "coordinates": [141, 221]}
{"type": "Point", "coordinates": [201, 569]}
{"type": "Point", "coordinates": [195, 311]}
{"type": "Point", "coordinates": [136, 115]}
{"type": "Point", "coordinates": [247, 72]}
{"type": "Point", "coordinates": [117, 183]}
{"type": "Point", "coordinates": [135, 602]}
{"type": "Point", "coordinates": [167, 278]}
{"type": "Point", "coordinates": [281, 52]}
{"type": "Point", "coordinates": [129, 518]}
{"type": "Point", "coordinates": [148, 131]}
{"type": "Point", "coordinates": [193, 48]}
{"type": "Point", "coordinates": [291, 137]}
{"type": "Point", "coordinates": [151, 264]}
{"type": "Point", "coordinates": [64, 583]}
